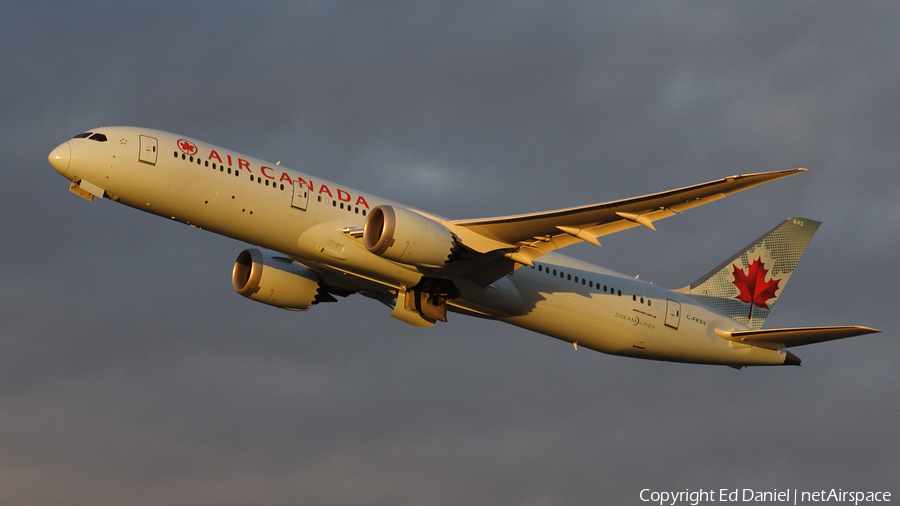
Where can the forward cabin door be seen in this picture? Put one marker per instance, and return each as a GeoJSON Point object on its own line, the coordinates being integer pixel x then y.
{"type": "Point", "coordinates": [148, 150]}
{"type": "Point", "coordinates": [301, 195]}
{"type": "Point", "coordinates": [673, 313]}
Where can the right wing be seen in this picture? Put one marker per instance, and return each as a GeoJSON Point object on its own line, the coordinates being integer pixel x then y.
{"type": "Point", "coordinates": [523, 238]}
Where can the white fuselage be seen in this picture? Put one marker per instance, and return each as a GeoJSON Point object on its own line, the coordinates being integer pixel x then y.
{"type": "Point", "coordinates": [307, 218]}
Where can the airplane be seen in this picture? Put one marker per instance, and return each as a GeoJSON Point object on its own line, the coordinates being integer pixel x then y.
{"type": "Point", "coordinates": [316, 240]}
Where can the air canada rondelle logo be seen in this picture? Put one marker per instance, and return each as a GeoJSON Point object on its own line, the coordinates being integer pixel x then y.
{"type": "Point", "coordinates": [187, 147]}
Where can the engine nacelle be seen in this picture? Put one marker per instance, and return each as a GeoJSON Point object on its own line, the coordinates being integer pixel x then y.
{"type": "Point", "coordinates": [404, 236]}
{"type": "Point", "coordinates": [272, 279]}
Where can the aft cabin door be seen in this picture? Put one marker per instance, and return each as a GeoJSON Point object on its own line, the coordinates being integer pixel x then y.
{"type": "Point", "coordinates": [148, 150]}
{"type": "Point", "coordinates": [673, 313]}
{"type": "Point", "coordinates": [301, 195]}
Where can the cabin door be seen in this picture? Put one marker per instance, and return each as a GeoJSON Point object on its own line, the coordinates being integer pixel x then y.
{"type": "Point", "coordinates": [148, 150]}
{"type": "Point", "coordinates": [301, 195]}
{"type": "Point", "coordinates": [673, 313]}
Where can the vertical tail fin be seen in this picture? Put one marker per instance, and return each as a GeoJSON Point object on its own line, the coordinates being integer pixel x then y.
{"type": "Point", "coordinates": [746, 286]}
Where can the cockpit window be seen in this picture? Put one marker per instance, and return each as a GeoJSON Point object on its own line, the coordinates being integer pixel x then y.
{"type": "Point", "coordinates": [92, 136]}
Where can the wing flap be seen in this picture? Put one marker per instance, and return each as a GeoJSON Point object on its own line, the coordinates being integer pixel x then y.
{"type": "Point", "coordinates": [776, 339]}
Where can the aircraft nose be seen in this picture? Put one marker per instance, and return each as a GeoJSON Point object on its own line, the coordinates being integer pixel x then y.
{"type": "Point", "coordinates": [59, 157]}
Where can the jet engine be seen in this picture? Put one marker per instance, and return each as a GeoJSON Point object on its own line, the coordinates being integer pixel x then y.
{"type": "Point", "coordinates": [404, 236]}
{"type": "Point", "coordinates": [273, 279]}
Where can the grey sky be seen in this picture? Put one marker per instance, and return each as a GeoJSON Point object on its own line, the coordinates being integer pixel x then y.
{"type": "Point", "coordinates": [131, 373]}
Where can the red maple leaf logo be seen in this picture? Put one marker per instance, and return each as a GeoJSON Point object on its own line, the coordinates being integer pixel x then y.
{"type": "Point", "coordinates": [753, 287]}
{"type": "Point", "coordinates": [187, 147]}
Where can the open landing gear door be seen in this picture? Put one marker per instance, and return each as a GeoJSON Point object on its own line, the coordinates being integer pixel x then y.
{"type": "Point", "coordinates": [425, 303]}
{"type": "Point", "coordinates": [405, 311]}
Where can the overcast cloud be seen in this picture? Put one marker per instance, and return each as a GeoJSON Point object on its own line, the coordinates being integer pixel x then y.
{"type": "Point", "coordinates": [131, 373]}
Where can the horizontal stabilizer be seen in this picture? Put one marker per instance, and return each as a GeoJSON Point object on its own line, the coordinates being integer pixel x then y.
{"type": "Point", "coordinates": [776, 339]}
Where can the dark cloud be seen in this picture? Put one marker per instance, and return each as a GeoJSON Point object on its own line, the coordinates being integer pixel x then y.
{"type": "Point", "coordinates": [132, 374]}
